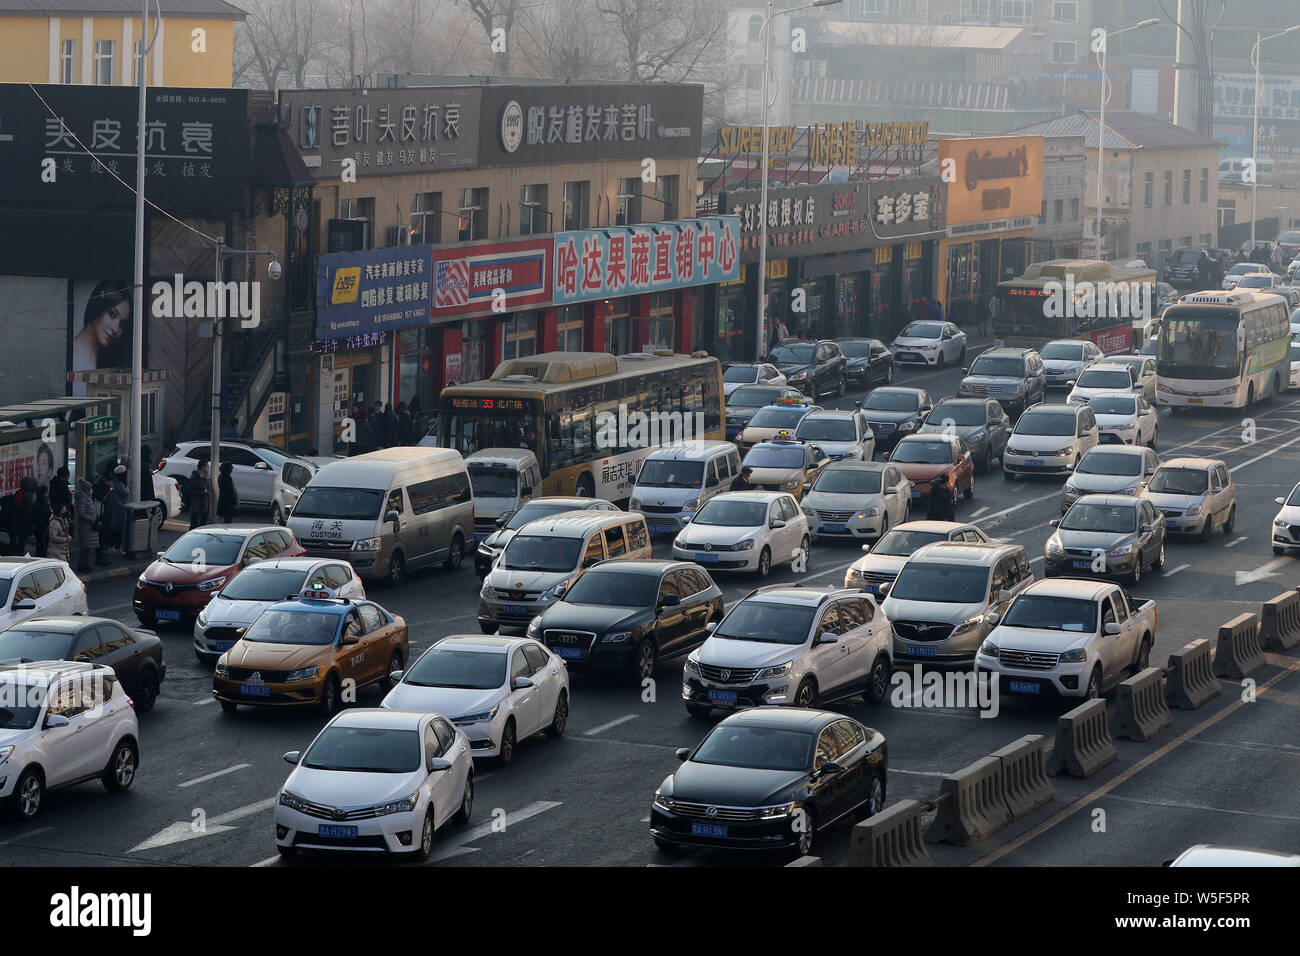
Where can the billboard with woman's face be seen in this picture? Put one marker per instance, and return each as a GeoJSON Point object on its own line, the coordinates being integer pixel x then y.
{"type": "Point", "coordinates": [100, 328]}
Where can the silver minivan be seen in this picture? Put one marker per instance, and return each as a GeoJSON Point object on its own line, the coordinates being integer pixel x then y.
{"type": "Point", "coordinates": [388, 511]}
{"type": "Point", "coordinates": [503, 479]}
{"type": "Point", "coordinates": [675, 482]}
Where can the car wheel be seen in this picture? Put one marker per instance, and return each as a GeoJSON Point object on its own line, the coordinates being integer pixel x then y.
{"type": "Point", "coordinates": [940, 361]}
{"type": "Point", "coordinates": [1250, 394]}
{"type": "Point", "coordinates": [487, 628]}
{"type": "Point", "coordinates": [889, 374]}
{"type": "Point", "coordinates": [1093, 690]}
{"type": "Point", "coordinates": [146, 619]}
{"type": "Point", "coordinates": [1136, 577]}
{"type": "Point", "coordinates": [646, 660]}
{"type": "Point", "coordinates": [765, 562]}
{"type": "Point", "coordinates": [1207, 528]}
{"type": "Point", "coordinates": [1232, 518]}
{"type": "Point", "coordinates": [456, 555]}
{"type": "Point", "coordinates": [506, 753]}
{"type": "Point", "coordinates": [884, 524]}
{"type": "Point", "coordinates": [1155, 439]}
{"type": "Point", "coordinates": [1277, 550]}
{"type": "Point", "coordinates": [466, 800]}
{"type": "Point", "coordinates": [961, 356]}
{"type": "Point", "coordinates": [426, 838]}
{"type": "Point", "coordinates": [329, 696]}
{"type": "Point", "coordinates": [878, 684]}
{"type": "Point", "coordinates": [698, 710]}
{"type": "Point", "coordinates": [984, 463]}
{"type": "Point", "coordinates": [806, 825]}
{"type": "Point", "coordinates": [287, 852]}
{"type": "Point", "coordinates": [875, 801]}
{"type": "Point", "coordinates": [228, 707]}
{"type": "Point", "coordinates": [806, 545]}
{"type": "Point", "coordinates": [667, 846]}
{"type": "Point", "coordinates": [1009, 475]}
{"type": "Point", "coordinates": [560, 719]}
{"type": "Point", "coordinates": [843, 388]}
{"type": "Point", "coordinates": [1160, 559]}
{"type": "Point", "coordinates": [396, 570]}
{"type": "Point", "coordinates": [394, 664]}
{"type": "Point", "coordinates": [970, 489]}
{"type": "Point", "coordinates": [277, 515]}
{"type": "Point", "coordinates": [1143, 659]}
{"type": "Point", "coordinates": [806, 695]}
{"type": "Point", "coordinates": [586, 487]}
{"type": "Point", "coordinates": [147, 692]}
{"type": "Point", "coordinates": [29, 795]}
{"type": "Point", "coordinates": [120, 772]}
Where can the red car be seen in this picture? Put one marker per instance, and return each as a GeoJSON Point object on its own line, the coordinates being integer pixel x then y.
{"type": "Point", "coordinates": [921, 458]}
{"type": "Point", "coordinates": [186, 576]}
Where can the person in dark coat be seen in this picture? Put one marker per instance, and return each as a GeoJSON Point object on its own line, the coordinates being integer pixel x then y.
{"type": "Point", "coordinates": [60, 493]}
{"type": "Point", "coordinates": [23, 519]}
{"type": "Point", "coordinates": [1203, 270]}
{"type": "Point", "coordinates": [942, 506]}
{"type": "Point", "coordinates": [389, 427]}
{"type": "Point", "coordinates": [361, 432]}
{"type": "Point", "coordinates": [933, 310]}
{"type": "Point", "coordinates": [405, 425]}
{"type": "Point", "coordinates": [118, 496]}
{"type": "Point", "coordinates": [227, 496]}
{"type": "Point", "coordinates": [741, 482]}
{"type": "Point", "coordinates": [41, 515]}
{"type": "Point", "coordinates": [87, 526]}
{"type": "Point", "coordinates": [200, 494]}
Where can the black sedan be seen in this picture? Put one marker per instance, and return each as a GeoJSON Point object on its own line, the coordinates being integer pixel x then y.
{"type": "Point", "coordinates": [770, 778]}
{"type": "Point", "coordinates": [869, 361]}
{"type": "Point", "coordinates": [136, 655]}
{"type": "Point", "coordinates": [895, 412]}
{"type": "Point", "coordinates": [815, 368]}
{"type": "Point", "coordinates": [626, 614]}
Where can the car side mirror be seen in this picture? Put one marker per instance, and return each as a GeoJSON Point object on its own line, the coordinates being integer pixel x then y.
{"type": "Point", "coordinates": [830, 767]}
{"type": "Point", "coordinates": [393, 517]}
{"type": "Point", "coordinates": [526, 491]}
{"type": "Point", "coordinates": [884, 455]}
{"type": "Point", "coordinates": [1111, 629]}
{"type": "Point", "coordinates": [885, 588]}
{"type": "Point", "coordinates": [439, 764]}
{"type": "Point", "coordinates": [993, 618]}
{"type": "Point", "coordinates": [1004, 594]}
{"type": "Point", "coordinates": [1279, 501]}
{"type": "Point", "coordinates": [294, 757]}
{"type": "Point", "coordinates": [395, 677]}
{"type": "Point", "coordinates": [776, 523]}
{"type": "Point", "coordinates": [711, 626]}
{"type": "Point", "coordinates": [1055, 522]}
{"type": "Point", "coordinates": [501, 522]}
{"type": "Point", "coordinates": [522, 683]}
{"type": "Point", "coordinates": [55, 720]}
{"type": "Point", "coordinates": [826, 637]}
{"type": "Point", "coordinates": [349, 640]}
{"type": "Point", "coordinates": [25, 604]}
{"type": "Point", "coordinates": [682, 753]}
{"type": "Point", "coordinates": [1147, 528]}
{"type": "Point", "coordinates": [262, 466]}
{"type": "Point", "coordinates": [670, 600]}
{"type": "Point", "coordinates": [965, 370]}
{"type": "Point", "coordinates": [866, 549]}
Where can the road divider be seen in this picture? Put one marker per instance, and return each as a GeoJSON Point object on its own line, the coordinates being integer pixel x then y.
{"type": "Point", "coordinates": [1141, 710]}
{"type": "Point", "coordinates": [891, 838]}
{"type": "Point", "coordinates": [1238, 653]}
{"type": "Point", "coordinates": [806, 861]}
{"type": "Point", "coordinates": [1083, 741]}
{"type": "Point", "coordinates": [972, 805]}
{"type": "Point", "coordinates": [1280, 622]}
{"type": "Point", "coordinates": [1191, 682]}
{"type": "Point", "coordinates": [1024, 775]}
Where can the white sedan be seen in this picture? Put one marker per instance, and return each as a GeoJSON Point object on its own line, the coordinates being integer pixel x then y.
{"type": "Point", "coordinates": [500, 690]}
{"type": "Point", "coordinates": [377, 781]}
{"type": "Point", "coordinates": [1104, 379]}
{"type": "Point", "coordinates": [1286, 523]}
{"type": "Point", "coordinates": [930, 343]}
{"type": "Point", "coordinates": [1126, 419]}
{"type": "Point", "coordinates": [745, 531]}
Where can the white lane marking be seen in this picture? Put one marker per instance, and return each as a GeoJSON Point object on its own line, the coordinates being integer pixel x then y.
{"type": "Point", "coordinates": [267, 862]}
{"type": "Point", "coordinates": [1262, 572]}
{"type": "Point", "coordinates": [1261, 457]}
{"type": "Point", "coordinates": [1041, 557]}
{"type": "Point", "coordinates": [980, 512]}
{"type": "Point", "coordinates": [613, 723]}
{"type": "Point", "coordinates": [1172, 571]}
{"type": "Point", "coordinates": [213, 776]}
{"type": "Point", "coordinates": [183, 830]}
{"type": "Point", "coordinates": [455, 846]}
{"type": "Point", "coordinates": [104, 611]}
{"type": "Point", "coordinates": [205, 700]}
{"type": "Point", "coordinates": [26, 835]}
{"type": "Point", "coordinates": [919, 773]}
{"type": "Point", "coordinates": [1233, 544]}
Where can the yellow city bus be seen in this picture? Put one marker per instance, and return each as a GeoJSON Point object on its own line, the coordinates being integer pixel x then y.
{"type": "Point", "coordinates": [590, 417]}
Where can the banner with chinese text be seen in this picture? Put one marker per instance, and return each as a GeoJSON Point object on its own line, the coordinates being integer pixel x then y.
{"type": "Point", "coordinates": [466, 280]}
{"type": "Point", "coordinates": [359, 293]}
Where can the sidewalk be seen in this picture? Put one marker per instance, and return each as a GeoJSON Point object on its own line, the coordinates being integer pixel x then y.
{"type": "Point", "coordinates": [122, 568]}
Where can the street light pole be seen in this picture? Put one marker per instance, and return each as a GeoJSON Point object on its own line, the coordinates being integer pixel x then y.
{"type": "Point", "coordinates": [1101, 119]}
{"type": "Point", "coordinates": [135, 473]}
{"type": "Point", "coordinates": [1254, 136]}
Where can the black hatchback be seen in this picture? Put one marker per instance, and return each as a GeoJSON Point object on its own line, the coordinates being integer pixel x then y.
{"type": "Point", "coordinates": [626, 614]}
{"type": "Point", "coordinates": [769, 778]}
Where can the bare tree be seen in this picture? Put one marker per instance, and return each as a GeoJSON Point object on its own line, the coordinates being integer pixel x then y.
{"type": "Point", "coordinates": [664, 39]}
{"type": "Point", "coordinates": [564, 41]}
{"type": "Point", "coordinates": [492, 14]}
{"type": "Point", "coordinates": [281, 39]}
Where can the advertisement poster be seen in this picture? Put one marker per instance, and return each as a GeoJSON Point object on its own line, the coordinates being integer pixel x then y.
{"type": "Point", "coordinates": [36, 458]}
{"type": "Point", "coordinates": [452, 370]}
{"type": "Point", "coordinates": [100, 328]}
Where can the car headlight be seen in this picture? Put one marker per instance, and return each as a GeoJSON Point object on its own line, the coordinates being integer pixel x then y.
{"type": "Point", "coordinates": [908, 425]}
{"type": "Point", "coordinates": [142, 581]}
{"type": "Point", "coordinates": [488, 592]}
{"type": "Point", "coordinates": [203, 616]}
{"type": "Point", "coordinates": [691, 665]}
{"type": "Point", "coordinates": [744, 545]}
{"type": "Point", "coordinates": [1193, 511]}
{"type": "Point", "coordinates": [771, 813]}
{"type": "Point", "coordinates": [476, 718]}
{"type": "Point", "coordinates": [989, 649]}
{"type": "Point", "coordinates": [791, 485]}
{"type": "Point", "coordinates": [1062, 452]}
{"type": "Point", "coordinates": [302, 673]}
{"type": "Point", "coordinates": [1279, 523]}
{"type": "Point", "coordinates": [1076, 656]}
{"type": "Point", "coordinates": [616, 637]}
{"type": "Point", "coordinates": [1054, 545]}
{"type": "Point", "coordinates": [977, 436]}
{"type": "Point", "coordinates": [1071, 489]}
{"type": "Point", "coordinates": [4, 753]}
{"type": "Point", "coordinates": [405, 805]}
{"type": "Point", "coordinates": [680, 542]}
{"type": "Point", "coordinates": [664, 802]}
{"type": "Point", "coordinates": [1017, 388]}
{"type": "Point", "coordinates": [211, 584]}
{"type": "Point", "coordinates": [221, 670]}
{"type": "Point", "coordinates": [293, 801]}
{"type": "Point", "coordinates": [780, 670]}
{"type": "Point", "coordinates": [968, 625]}
{"type": "Point", "coordinates": [551, 593]}
{"type": "Point", "coordinates": [366, 544]}
{"type": "Point", "coordinates": [963, 387]}
{"type": "Point", "coordinates": [1121, 549]}
{"type": "Point", "coordinates": [488, 552]}
{"type": "Point", "coordinates": [691, 505]}
{"type": "Point", "coordinates": [634, 504]}
{"type": "Point", "coordinates": [868, 513]}
{"type": "Point", "coordinates": [855, 575]}
{"type": "Point", "coordinates": [928, 348]}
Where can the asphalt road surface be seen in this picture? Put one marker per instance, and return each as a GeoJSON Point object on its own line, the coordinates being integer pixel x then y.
{"type": "Point", "coordinates": [1226, 773]}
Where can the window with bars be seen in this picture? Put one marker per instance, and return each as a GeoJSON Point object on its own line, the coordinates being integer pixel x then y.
{"type": "Point", "coordinates": [473, 211]}
{"type": "Point", "coordinates": [532, 209]}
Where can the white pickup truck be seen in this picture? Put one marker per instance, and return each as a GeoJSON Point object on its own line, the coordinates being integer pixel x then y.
{"type": "Point", "coordinates": [1069, 637]}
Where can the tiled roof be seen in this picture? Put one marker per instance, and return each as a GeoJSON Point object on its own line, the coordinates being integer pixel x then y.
{"type": "Point", "coordinates": [215, 9]}
{"type": "Point", "coordinates": [1125, 129]}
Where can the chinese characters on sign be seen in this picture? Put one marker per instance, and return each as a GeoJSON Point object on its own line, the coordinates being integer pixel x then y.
{"type": "Point", "coordinates": [575, 123]}
{"type": "Point", "coordinates": [903, 207]}
{"type": "Point", "coordinates": [834, 144]}
{"type": "Point", "coordinates": [364, 341]}
{"type": "Point", "coordinates": [654, 257]}
{"type": "Point", "coordinates": [372, 291]}
{"type": "Point", "coordinates": [467, 280]}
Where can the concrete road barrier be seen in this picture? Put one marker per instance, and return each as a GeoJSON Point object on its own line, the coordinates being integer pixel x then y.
{"type": "Point", "coordinates": [1024, 775]}
{"type": "Point", "coordinates": [1083, 742]}
{"type": "Point", "coordinates": [1238, 653]}
{"type": "Point", "coordinates": [1280, 622]}
{"type": "Point", "coordinates": [1141, 710]}
{"type": "Point", "coordinates": [806, 861]}
{"type": "Point", "coordinates": [891, 838]}
{"type": "Point", "coordinates": [972, 805]}
{"type": "Point", "coordinates": [1191, 681]}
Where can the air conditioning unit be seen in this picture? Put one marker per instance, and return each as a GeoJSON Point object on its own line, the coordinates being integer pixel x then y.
{"type": "Point", "coordinates": [347, 235]}
{"type": "Point", "coordinates": [398, 236]}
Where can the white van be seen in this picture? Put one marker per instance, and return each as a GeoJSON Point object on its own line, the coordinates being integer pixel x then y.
{"type": "Point", "coordinates": [388, 511]}
{"type": "Point", "coordinates": [674, 482]}
{"type": "Point", "coordinates": [294, 475]}
{"type": "Point", "coordinates": [503, 480]}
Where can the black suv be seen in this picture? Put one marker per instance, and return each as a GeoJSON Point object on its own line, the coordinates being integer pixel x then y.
{"type": "Point", "coordinates": [815, 368]}
{"type": "Point", "coordinates": [625, 614]}
{"type": "Point", "coordinates": [1015, 377]}
{"type": "Point", "coordinates": [1180, 269]}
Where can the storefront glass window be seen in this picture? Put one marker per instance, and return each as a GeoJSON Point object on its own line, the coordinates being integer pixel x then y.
{"type": "Point", "coordinates": [521, 335]}
{"type": "Point", "coordinates": [568, 336]}
{"type": "Point", "coordinates": [847, 305]}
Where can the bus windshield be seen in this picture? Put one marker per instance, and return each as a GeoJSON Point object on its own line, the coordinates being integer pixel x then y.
{"type": "Point", "coordinates": [469, 431]}
{"type": "Point", "coordinates": [1194, 346]}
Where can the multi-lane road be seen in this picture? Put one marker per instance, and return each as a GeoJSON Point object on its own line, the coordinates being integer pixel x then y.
{"type": "Point", "coordinates": [1226, 773]}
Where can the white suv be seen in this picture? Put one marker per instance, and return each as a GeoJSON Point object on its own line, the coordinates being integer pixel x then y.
{"type": "Point", "coordinates": [256, 467]}
{"type": "Point", "coordinates": [791, 645]}
{"type": "Point", "coordinates": [62, 723]}
{"type": "Point", "coordinates": [1050, 440]}
{"type": "Point", "coordinates": [38, 586]}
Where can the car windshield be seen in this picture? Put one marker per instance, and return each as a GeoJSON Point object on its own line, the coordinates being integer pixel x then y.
{"type": "Point", "coordinates": [902, 543]}
{"type": "Point", "coordinates": [1149, 348]}
{"type": "Point", "coordinates": [1104, 378]}
{"type": "Point", "coordinates": [210, 548]}
{"type": "Point", "coordinates": [1098, 462]}
{"type": "Point", "coordinates": [541, 552]}
{"type": "Point", "coordinates": [276, 626]}
{"type": "Point", "coordinates": [1295, 357]}
{"type": "Point", "coordinates": [922, 451]}
{"type": "Point", "coordinates": [826, 429]}
{"type": "Point", "coordinates": [493, 481]}
{"type": "Point", "coordinates": [767, 622]}
{"type": "Point", "coordinates": [794, 354]}
{"type": "Point", "coordinates": [758, 748]}
{"type": "Point", "coordinates": [1111, 519]}
{"type": "Point", "coordinates": [537, 509]}
{"type": "Point", "coordinates": [1052, 613]}
{"type": "Point", "coordinates": [770, 457]}
{"type": "Point", "coordinates": [1256, 281]}
{"type": "Point", "coordinates": [1180, 481]}
{"type": "Point", "coordinates": [365, 750]}
{"type": "Point", "coordinates": [731, 513]}
{"type": "Point", "coordinates": [1114, 405]}
{"type": "Point", "coordinates": [848, 481]}
{"type": "Point", "coordinates": [998, 365]}
{"type": "Point", "coordinates": [883, 401]}
{"type": "Point", "coordinates": [671, 473]}
{"type": "Point", "coordinates": [1186, 255]}
{"type": "Point", "coordinates": [957, 413]}
{"type": "Point", "coordinates": [921, 330]}
{"type": "Point", "coordinates": [1244, 268]}
{"type": "Point", "coordinates": [265, 584]}
{"type": "Point", "coordinates": [780, 417]}
{"type": "Point", "coordinates": [33, 644]}
{"type": "Point", "coordinates": [344, 504]}
{"type": "Point", "coordinates": [20, 702]}
{"type": "Point", "coordinates": [1290, 237]}
{"type": "Point", "coordinates": [856, 349]}
{"type": "Point", "coordinates": [1046, 423]}
{"type": "Point", "coordinates": [756, 396]}
{"type": "Point", "coordinates": [741, 374]}
{"type": "Point", "coordinates": [941, 583]}
{"type": "Point", "coordinates": [462, 669]}
{"type": "Point", "coordinates": [1063, 351]}
{"type": "Point", "coordinates": [614, 589]}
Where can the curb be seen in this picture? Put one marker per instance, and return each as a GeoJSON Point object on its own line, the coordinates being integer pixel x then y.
{"type": "Point", "coordinates": [114, 573]}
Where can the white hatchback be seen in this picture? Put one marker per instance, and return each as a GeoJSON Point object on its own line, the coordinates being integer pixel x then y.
{"type": "Point", "coordinates": [375, 781]}
{"type": "Point", "coordinates": [1126, 419]}
{"type": "Point", "coordinates": [745, 531]}
{"type": "Point", "coordinates": [1104, 378]}
{"type": "Point", "coordinates": [927, 342]}
{"type": "Point", "coordinates": [45, 587]}
{"type": "Point", "coordinates": [1286, 523]}
{"type": "Point", "coordinates": [500, 690]}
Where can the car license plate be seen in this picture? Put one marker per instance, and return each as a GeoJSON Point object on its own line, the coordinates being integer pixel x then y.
{"type": "Point", "coordinates": [222, 645]}
{"type": "Point", "coordinates": [921, 651]}
{"type": "Point", "coordinates": [514, 610]}
{"type": "Point", "coordinates": [569, 653]}
{"type": "Point", "coordinates": [167, 615]}
{"type": "Point", "coordinates": [722, 696]}
{"type": "Point", "coordinates": [255, 690]}
{"type": "Point", "coordinates": [662, 529]}
{"type": "Point", "coordinates": [915, 495]}
{"type": "Point", "coordinates": [1196, 401]}
{"type": "Point", "coordinates": [1034, 462]}
{"type": "Point", "coordinates": [872, 589]}
{"type": "Point", "coordinates": [908, 356]}
{"type": "Point", "coordinates": [336, 831]}
{"type": "Point", "coordinates": [706, 557]}
{"type": "Point", "coordinates": [715, 830]}
{"type": "Point", "coordinates": [1024, 687]}
{"type": "Point", "coordinates": [835, 526]}
{"type": "Point", "coordinates": [1083, 565]}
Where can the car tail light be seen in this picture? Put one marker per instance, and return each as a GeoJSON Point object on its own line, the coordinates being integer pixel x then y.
{"type": "Point", "coordinates": [161, 465]}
